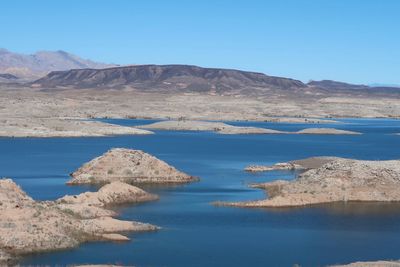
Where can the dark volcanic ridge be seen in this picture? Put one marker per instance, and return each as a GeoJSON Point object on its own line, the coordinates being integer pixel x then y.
{"type": "Point", "coordinates": [181, 77]}
{"type": "Point", "coordinates": [187, 78]}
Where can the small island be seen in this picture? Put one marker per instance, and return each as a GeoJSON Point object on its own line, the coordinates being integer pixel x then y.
{"type": "Point", "coordinates": [224, 128]}
{"type": "Point", "coordinates": [129, 166]}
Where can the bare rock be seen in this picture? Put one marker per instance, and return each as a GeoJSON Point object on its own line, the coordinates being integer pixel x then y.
{"type": "Point", "coordinates": [335, 181]}
{"type": "Point", "coordinates": [130, 166]}
{"type": "Point", "coordinates": [28, 226]}
{"type": "Point", "coordinates": [219, 127]}
{"type": "Point", "coordinates": [277, 166]}
{"type": "Point", "coordinates": [326, 131]}
{"type": "Point", "coordinates": [110, 194]}
{"type": "Point", "coordinates": [40, 127]}
{"type": "Point", "coordinates": [371, 264]}
{"type": "Point", "coordinates": [302, 164]}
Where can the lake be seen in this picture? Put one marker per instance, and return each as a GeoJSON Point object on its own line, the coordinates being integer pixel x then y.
{"type": "Point", "coordinates": [196, 233]}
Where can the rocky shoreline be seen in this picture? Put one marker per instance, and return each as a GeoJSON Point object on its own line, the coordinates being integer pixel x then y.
{"type": "Point", "coordinates": [28, 226]}
{"type": "Point", "coordinates": [302, 164]}
{"type": "Point", "coordinates": [63, 127]}
{"type": "Point", "coordinates": [371, 264]}
{"type": "Point", "coordinates": [338, 180]}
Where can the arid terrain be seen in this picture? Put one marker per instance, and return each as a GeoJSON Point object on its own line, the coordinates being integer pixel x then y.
{"type": "Point", "coordinates": [330, 180]}
{"type": "Point", "coordinates": [45, 107]}
{"type": "Point", "coordinates": [28, 226]}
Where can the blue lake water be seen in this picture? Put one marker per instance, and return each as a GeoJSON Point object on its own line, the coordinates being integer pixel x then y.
{"type": "Point", "coordinates": [195, 233]}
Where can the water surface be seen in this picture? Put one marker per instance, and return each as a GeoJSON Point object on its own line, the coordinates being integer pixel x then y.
{"type": "Point", "coordinates": [195, 233]}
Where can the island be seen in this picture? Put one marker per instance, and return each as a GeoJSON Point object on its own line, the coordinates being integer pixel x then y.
{"type": "Point", "coordinates": [224, 128]}
{"type": "Point", "coordinates": [129, 166]}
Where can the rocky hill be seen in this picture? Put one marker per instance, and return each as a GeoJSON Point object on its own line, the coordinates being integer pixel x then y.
{"type": "Point", "coordinates": [39, 64]}
{"type": "Point", "coordinates": [329, 86]}
{"type": "Point", "coordinates": [167, 77]}
{"type": "Point", "coordinates": [130, 166]}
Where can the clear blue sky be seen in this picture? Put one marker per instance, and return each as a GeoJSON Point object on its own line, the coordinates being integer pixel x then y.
{"type": "Point", "coordinates": [349, 40]}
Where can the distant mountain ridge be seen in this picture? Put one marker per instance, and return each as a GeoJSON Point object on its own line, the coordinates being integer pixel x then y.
{"type": "Point", "coordinates": [41, 63]}
{"type": "Point", "coordinates": [179, 77]}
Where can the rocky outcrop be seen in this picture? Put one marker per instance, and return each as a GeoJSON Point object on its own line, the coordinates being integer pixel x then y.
{"type": "Point", "coordinates": [28, 226]}
{"type": "Point", "coordinates": [302, 164]}
{"type": "Point", "coordinates": [224, 128]}
{"type": "Point", "coordinates": [278, 166]}
{"type": "Point", "coordinates": [371, 264]}
{"type": "Point", "coordinates": [130, 166]}
{"type": "Point", "coordinates": [35, 127]}
{"type": "Point", "coordinates": [110, 194]}
{"type": "Point", "coordinates": [219, 127]}
{"type": "Point", "coordinates": [325, 131]}
{"type": "Point", "coordinates": [335, 181]}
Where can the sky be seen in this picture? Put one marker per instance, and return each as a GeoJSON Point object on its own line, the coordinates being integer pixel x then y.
{"type": "Point", "coordinates": [355, 41]}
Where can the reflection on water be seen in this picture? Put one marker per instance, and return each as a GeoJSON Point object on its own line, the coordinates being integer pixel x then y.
{"type": "Point", "coordinates": [195, 233]}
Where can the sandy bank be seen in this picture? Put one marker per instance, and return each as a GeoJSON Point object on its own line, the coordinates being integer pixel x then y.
{"type": "Point", "coordinates": [130, 166]}
{"type": "Point", "coordinates": [336, 181]}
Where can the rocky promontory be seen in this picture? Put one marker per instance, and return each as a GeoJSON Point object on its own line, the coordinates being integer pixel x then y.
{"type": "Point", "coordinates": [338, 180]}
{"type": "Point", "coordinates": [59, 127]}
{"type": "Point", "coordinates": [129, 166]}
{"type": "Point", "coordinates": [28, 226]}
{"type": "Point", "coordinates": [302, 164]}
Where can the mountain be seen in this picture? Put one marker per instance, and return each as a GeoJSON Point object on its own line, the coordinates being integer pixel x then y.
{"type": "Point", "coordinates": [163, 77]}
{"type": "Point", "coordinates": [330, 86]}
{"type": "Point", "coordinates": [41, 63]}
{"type": "Point", "coordinates": [334, 85]}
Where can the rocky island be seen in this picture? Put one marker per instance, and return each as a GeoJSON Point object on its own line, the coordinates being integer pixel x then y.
{"type": "Point", "coordinates": [219, 127]}
{"type": "Point", "coordinates": [224, 128]}
{"type": "Point", "coordinates": [335, 181]}
{"type": "Point", "coordinates": [28, 226]}
{"type": "Point", "coordinates": [130, 166]}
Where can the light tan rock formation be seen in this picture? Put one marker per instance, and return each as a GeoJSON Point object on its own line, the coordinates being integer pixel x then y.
{"type": "Point", "coordinates": [371, 264]}
{"type": "Point", "coordinates": [278, 166]}
{"type": "Point", "coordinates": [325, 131]}
{"type": "Point", "coordinates": [110, 194]}
{"type": "Point", "coordinates": [219, 127]}
{"type": "Point", "coordinates": [335, 181]}
{"type": "Point", "coordinates": [36, 127]}
{"type": "Point", "coordinates": [130, 166]}
{"type": "Point", "coordinates": [302, 164]}
{"type": "Point", "coordinates": [28, 226]}
{"type": "Point", "coordinates": [224, 128]}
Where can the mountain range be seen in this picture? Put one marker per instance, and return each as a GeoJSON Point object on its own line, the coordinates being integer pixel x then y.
{"type": "Point", "coordinates": [59, 69]}
{"type": "Point", "coordinates": [29, 67]}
